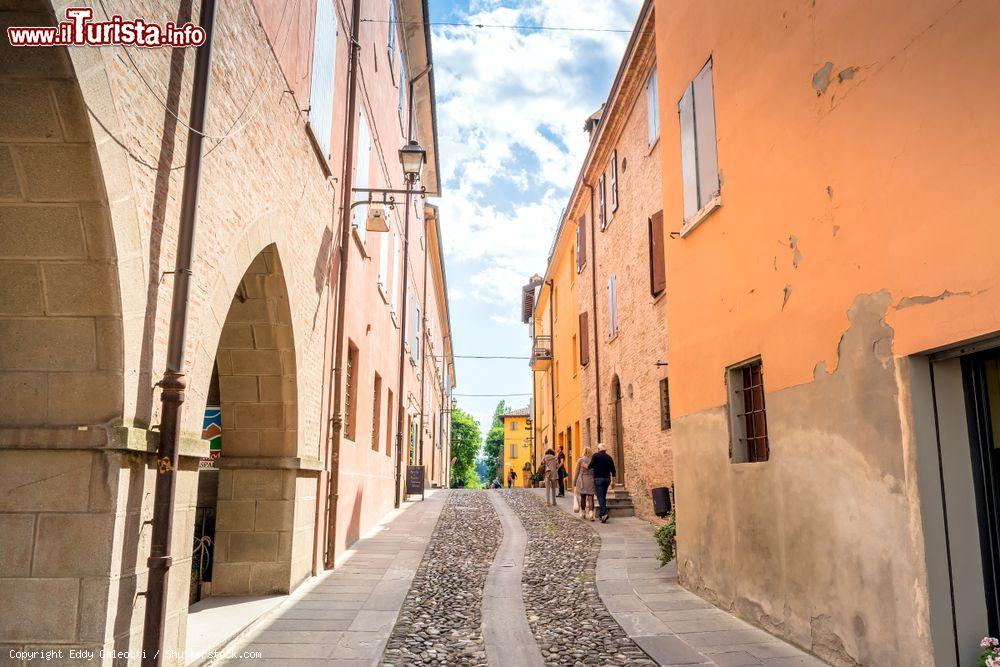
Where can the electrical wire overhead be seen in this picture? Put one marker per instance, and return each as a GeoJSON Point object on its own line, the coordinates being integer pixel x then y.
{"type": "Point", "coordinates": [499, 25]}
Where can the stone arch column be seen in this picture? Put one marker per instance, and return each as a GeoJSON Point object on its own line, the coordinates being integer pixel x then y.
{"type": "Point", "coordinates": [266, 501]}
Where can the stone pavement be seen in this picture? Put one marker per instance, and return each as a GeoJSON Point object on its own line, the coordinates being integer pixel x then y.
{"type": "Point", "coordinates": [673, 625]}
{"type": "Point", "coordinates": [345, 618]}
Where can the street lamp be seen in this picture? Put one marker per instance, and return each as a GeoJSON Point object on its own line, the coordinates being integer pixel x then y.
{"type": "Point", "coordinates": [412, 156]}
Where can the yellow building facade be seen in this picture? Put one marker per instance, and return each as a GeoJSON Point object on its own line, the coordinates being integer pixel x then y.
{"type": "Point", "coordinates": [517, 446]}
{"type": "Point", "coordinates": [551, 307]}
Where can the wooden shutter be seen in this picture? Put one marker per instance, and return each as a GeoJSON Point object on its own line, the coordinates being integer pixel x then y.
{"type": "Point", "coordinates": [689, 158]}
{"type": "Point", "coordinates": [704, 123]}
{"type": "Point", "coordinates": [657, 263]}
{"type": "Point", "coordinates": [581, 243]}
{"type": "Point", "coordinates": [614, 180]}
{"type": "Point", "coordinates": [584, 340]}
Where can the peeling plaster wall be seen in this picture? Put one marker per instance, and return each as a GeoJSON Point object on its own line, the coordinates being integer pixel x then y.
{"type": "Point", "coordinates": [856, 148]}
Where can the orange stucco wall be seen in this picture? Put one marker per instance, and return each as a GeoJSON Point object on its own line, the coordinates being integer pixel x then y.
{"type": "Point", "coordinates": [884, 180]}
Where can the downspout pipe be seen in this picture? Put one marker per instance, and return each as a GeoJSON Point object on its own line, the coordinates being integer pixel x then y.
{"type": "Point", "coordinates": [593, 296]}
{"type": "Point", "coordinates": [552, 342]}
{"type": "Point", "coordinates": [336, 418]}
{"type": "Point", "coordinates": [406, 285]}
{"type": "Point", "coordinates": [423, 357]}
{"type": "Point", "coordinates": [173, 384]}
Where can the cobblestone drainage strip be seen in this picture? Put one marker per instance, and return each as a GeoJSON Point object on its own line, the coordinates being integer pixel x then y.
{"type": "Point", "coordinates": [440, 621]}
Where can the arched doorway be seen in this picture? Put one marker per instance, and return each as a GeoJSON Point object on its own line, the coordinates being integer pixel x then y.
{"type": "Point", "coordinates": [619, 429]}
{"type": "Point", "coordinates": [262, 542]}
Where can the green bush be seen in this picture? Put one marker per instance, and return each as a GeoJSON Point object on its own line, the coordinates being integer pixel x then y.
{"type": "Point", "coordinates": [665, 536]}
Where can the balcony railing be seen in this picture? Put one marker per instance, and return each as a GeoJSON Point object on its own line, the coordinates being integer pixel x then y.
{"type": "Point", "coordinates": [541, 353]}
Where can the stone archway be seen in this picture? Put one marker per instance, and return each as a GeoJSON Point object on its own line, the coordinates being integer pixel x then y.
{"type": "Point", "coordinates": [264, 515]}
{"type": "Point", "coordinates": [70, 492]}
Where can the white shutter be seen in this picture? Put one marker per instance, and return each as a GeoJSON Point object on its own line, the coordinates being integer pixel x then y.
{"type": "Point", "coordinates": [362, 169]}
{"type": "Point", "coordinates": [704, 124]}
{"type": "Point", "coordinates": [614, 180]}
{"type": "Point", "coordinates": [392, 32]}
{"type": "Point", "coordinates": [383, 262]}
{"type": "Point", "coordinates": [396, 270]}
{"type": "Point", "coordinates": [689, 158]}
{"type": "Point", "coordinates": [652, 106]}
{"type": "Point", "coordinates": [323, 72]}
{"type": "Point", "coordinates": [612, 306]}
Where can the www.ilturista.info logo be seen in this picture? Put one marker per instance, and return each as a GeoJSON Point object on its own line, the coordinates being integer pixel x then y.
{"type": "Point", "coordinates": [79, 30]}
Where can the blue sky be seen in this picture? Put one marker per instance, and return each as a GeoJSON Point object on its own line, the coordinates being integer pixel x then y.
{"type": "Point", "coordinates": [511, 107]}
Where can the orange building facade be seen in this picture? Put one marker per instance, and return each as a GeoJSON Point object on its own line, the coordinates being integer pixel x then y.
{"type": "Point", "coordinates": [828, 188]}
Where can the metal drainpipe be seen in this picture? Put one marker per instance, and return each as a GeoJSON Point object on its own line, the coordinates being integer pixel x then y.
{"type": "Point", "coordinates": [423, 357]}
{"type": "Point", "coordinates": [336, 420]}
{"type": "Point", "coordinates": [173, 383]}
{"type": "Point", "coordinates": [552, 363]}
{"type": "Point", "coordinates": [593, 294]}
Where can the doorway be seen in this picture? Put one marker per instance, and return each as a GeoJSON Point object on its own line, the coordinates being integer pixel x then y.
{"type": "Point", "coordinates": [981, 375]}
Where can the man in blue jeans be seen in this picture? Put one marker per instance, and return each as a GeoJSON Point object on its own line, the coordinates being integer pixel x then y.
{"type": "Point", "coordinates": [603, 467]}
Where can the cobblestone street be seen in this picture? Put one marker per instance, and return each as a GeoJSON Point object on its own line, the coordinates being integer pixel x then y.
{"type": "Point", "coordinates": [498, 578]}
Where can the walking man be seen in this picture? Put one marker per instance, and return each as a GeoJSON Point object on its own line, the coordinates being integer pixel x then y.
{"type": "Point", "coordinates": [561, 457]}
{"type": "Point", "coordinates": [603, 467]}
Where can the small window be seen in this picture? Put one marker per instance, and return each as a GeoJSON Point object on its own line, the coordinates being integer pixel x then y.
{"type": "Point", "coordinates": [614, 180]}
{"type": "Point", "coordinates": [664, 404]}
{"type": "Point", "coordinates": [601, 208]}
{"type": "Point", "coordinates": [376, 412]}
{"type": "Point", "coordinates": [351, 391]}
{"type": "Point", "coordinates": [612, 306]}
{"type": "Point", "coordinates": [513, 425]}
{"type": "Point", "coordinates": [513, 450]}
{"type": "Point", "coordinates": [747, 414]}
{"type": "Point", "coordinates": [699, 156]}
{"type": "Point", "coordinates": [388, 423]}
{"type": "Point", "coordinates": [652, 107]}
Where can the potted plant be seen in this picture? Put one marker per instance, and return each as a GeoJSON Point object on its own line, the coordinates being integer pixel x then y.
{"type": "Point", "coordinates": [666, 538]}
{"type": "Point", "coordinates": [991, 652]}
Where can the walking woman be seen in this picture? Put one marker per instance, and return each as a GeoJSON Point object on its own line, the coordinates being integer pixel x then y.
{"type": "Point", "coordinates": [585, 488]}
{"type": "Point", "coordinates": [550, 472]}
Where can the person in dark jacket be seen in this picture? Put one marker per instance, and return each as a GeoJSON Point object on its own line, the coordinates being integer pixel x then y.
{"type": "Point", "coordinates": [603, 467]}
{"type": "Point", "coordinates": [561, 457]}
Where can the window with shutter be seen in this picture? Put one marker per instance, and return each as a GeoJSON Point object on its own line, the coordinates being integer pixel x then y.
{"type": "Point", "coordinates": [699, 154]}
{"type": "Point", "coordinates": [391, 47]}
{"type": "Point", "coordinates": [652, 107]}
{"type": "Point", "coordinates": [415, 335]}
{"type": "Point", "coordinates": [657, 262]}
{"type": "Point", "coordinates": [362, 170]}
{"type": "Point", "coordinates": [581, 243]}
{"type": "Point", "coordinates": [376, 412]}
{"type": "Point", "coordinates": [600, 202]}
{"type": "Point", "coordinates": [393, 291]}
{"type": "Point", "coordinates": [614, 180]}
{"type": "Point", "coordinates": [584, 340]}
{"type": "Point", "coordinates": [321, 83]}
{"type": "Point", "coordinates": [402, 91]}
{"type": "Point", "coordinates": [384, 251]}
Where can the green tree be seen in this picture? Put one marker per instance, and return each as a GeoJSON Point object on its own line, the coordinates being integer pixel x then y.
{"type": "Point", "coordinates": [466, 440]}
{"type": "Point", "coordinates": [493, 451]}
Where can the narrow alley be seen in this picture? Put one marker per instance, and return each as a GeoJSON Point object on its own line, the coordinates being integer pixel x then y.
{"type": "Point", "coordinates": [497, 578]}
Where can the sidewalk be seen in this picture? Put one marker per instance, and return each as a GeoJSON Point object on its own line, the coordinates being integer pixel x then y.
{"type": "Point", "coordinates": [347, 616]}
{"type": "Point", "coordinates": [673, 625]}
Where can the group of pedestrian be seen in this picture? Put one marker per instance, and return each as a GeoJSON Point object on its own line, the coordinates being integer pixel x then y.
{"type": "Point", "coordinates": [593, 475]}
